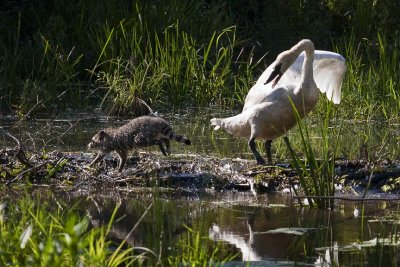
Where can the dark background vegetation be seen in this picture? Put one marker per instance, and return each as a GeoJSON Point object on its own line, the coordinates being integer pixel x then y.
{"type": "Point", "coordinates": [62, 54]}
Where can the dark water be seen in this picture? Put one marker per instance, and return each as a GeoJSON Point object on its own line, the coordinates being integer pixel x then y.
{"type": "Point", "coordinates": [241, 221]}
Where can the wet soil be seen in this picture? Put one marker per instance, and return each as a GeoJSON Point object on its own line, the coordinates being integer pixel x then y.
{"type": "Point", "coordinates": [183, 172]}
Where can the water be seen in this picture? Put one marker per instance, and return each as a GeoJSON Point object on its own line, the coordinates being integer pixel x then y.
{"type": "Point", "coordinates": [72, 132]}
{"type": "Point", "coordinates": [242, 221]}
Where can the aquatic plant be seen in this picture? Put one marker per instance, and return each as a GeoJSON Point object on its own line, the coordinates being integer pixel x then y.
{"type": "Point", "coordinates": [196, 250]}
{"type": "Point", "coordinates": [316, 175]}
{"type": "Point", "coordinates": [36, 233]}
{"type": "Point", "coordinates": [171, 68]}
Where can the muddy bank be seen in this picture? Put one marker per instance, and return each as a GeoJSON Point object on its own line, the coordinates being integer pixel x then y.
{"type": "Point", "coordinates": [182, 171]}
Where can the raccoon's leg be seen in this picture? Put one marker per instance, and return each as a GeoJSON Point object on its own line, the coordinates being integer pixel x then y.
{"type": "Point", "coordinates": [123, 154]}
{"type": "Point", "coordinates": [99, 157]}
{"type": "Point", "coordinates": [167, 145]}
{"type": "Point", "coordinates": [160, 144]}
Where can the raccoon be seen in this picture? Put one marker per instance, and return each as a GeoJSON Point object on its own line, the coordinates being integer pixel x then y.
{"type": "Point", "coordinates": [140, 132]}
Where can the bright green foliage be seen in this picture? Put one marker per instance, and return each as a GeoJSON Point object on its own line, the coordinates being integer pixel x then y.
{"type": "Point", "coordinates": [195, 250]}
{"type": "Point", "coordinates": [33, 233]}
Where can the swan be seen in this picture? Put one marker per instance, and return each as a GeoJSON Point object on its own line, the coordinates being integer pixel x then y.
{"type": "Point", "coordinates": [295, 77]}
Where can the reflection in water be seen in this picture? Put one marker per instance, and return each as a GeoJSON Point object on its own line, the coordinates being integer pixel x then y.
{"type": "Point", "coordinates": [330, 257]}
{"type": "Point", "coordinates": [244, 246]}
{"type": "Point", "coordinates": [243, 223]}
{"type": "Point", "coordinates": [72, 132]}
{"type": "Point", "coordinates": [242, 219]}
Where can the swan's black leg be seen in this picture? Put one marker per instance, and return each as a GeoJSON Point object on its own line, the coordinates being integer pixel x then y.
{"type": "Point", "coordinates": [252, 146]}
{"type": "Point", "coordinates": [268, 145]}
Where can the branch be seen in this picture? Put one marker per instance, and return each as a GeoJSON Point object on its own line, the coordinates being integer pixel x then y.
{"type": "Point", "coordinates": [352, 198]}
{"type": "Point", "coordinates": [21, 174]}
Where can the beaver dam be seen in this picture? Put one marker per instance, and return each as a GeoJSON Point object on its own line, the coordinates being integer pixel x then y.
{"type": "Point", "coordinates": [259, 213]}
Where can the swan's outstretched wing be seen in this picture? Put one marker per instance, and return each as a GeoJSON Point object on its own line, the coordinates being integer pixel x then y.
{"type": "Point", "coordinates": [328, 75]}
{"type": "Point", "coordinates": [329, 70]}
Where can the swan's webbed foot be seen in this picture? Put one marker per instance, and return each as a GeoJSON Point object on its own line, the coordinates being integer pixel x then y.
{"type": "Point", "coordinates": [252, 146]}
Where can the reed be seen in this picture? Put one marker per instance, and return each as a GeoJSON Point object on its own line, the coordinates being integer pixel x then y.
{"type": "Point", "coordinates": [371, 89]}
{"type": "Point", "coordinates": [195, 53]}
{"type": "Point", "coordinates": [316, 172]}
{"type": "Point", "coordinates": [172, 68]}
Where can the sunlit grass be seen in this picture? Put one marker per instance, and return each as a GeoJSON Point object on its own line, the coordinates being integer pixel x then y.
{"type": "Point", "coordinates": [37, 234]}
{"type": "Point", "coordinates": [317, 171]}
{"type": "Point", "coordinates": [371, 87]}
{"type": "Point", "coordinates": [174, 69]}
{"type": "Point", "coordinates": [186, 54]}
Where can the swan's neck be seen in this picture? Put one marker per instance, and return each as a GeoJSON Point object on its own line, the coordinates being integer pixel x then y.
{"type": "Point", "coordinates": [307, 76]}
{"type": "Point", "coordinates": [307, 87]}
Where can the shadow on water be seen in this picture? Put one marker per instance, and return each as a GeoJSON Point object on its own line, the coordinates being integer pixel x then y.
{"type": "Point", "coordinates": [266, 229]}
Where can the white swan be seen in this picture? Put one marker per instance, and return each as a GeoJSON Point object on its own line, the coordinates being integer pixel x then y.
{"type": "Point", "coordinates": [295, 76]}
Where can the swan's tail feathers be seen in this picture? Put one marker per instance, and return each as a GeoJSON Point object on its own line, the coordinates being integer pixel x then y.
{"type": "Point", "coordinates": [216, 122]}
{"type": "Point", "coordinates": [328, 75]}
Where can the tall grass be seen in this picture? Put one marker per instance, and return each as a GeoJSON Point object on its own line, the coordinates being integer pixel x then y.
{"type": "Point", "coordinates": [172, 68]}
{"type": "Point", "coordinates": [371, 90]}
{"type": "Point", "coordinates": [316, 174]}
{"type": "Point", "coordinates": [39, 232]}
{"type": "Point", "coordinates": [55, 55]}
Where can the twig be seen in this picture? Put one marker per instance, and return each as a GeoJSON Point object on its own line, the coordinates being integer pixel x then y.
{"type": "Point", "coordinates": [137, 223]}
{"type": "Point", "coordinates": [59, 136]}
{"type": "Point", "coordinates": [19, 154]}
{"type": "Point", "coordinates": [30, 111]}
{"type": "Point", "coordinates": [351, 198]}
{"type": "Point", "coordinates": [28, 170]}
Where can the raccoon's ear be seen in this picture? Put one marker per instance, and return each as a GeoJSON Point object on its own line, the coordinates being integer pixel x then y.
{"type": "Point", "coordinates": [102, 133]}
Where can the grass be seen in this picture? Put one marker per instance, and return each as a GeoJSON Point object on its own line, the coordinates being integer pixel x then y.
{"type": "Point", "coordinates": [35, 233]}
{"type": "Point", "coordinates": [316, 175]}
{"type": "Point", "coordinates": [195, 250]}
{"type": "Point", "coordinates": [372, 79]}
{"type": "Point", "coordinates": [41, 232]}
{"type": "Point", "coordinates": [59, 56]}
{"type": "Point", "coordinates": [172, 69]}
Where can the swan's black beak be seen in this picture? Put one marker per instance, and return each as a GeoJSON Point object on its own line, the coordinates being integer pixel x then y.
{"type": "Point", "coordinates": [275, 75]}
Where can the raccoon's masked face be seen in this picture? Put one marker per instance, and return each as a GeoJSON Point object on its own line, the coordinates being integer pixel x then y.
{"type": "Point", "coordinates": [99, 140]}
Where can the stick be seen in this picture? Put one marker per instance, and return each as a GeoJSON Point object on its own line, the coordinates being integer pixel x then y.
{"type": "Point", "coordinates": [351, 198]}
{"type": "Point", "coordinates": [28, 170]}
{"type": "Point", "coordinates": [19, 154]}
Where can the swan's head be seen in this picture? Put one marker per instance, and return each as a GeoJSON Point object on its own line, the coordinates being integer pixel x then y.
{"type": "Point", "coordinates": [285, 59]}
{"type": "Point", "coordinates": [280, 66]}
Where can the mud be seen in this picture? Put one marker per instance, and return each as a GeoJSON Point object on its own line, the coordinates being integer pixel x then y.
{"type": "Point", "coordinates": [182, 172]}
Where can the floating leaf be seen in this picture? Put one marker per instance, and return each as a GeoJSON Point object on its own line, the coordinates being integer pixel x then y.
{"type": "Point", "coordinates": [290, 231]}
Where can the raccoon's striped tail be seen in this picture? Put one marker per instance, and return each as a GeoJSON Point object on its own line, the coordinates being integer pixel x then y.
{"type": "Point", "coordinates": [180, 138]}
{"type": "Point", "coordinates": [169, 134]}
